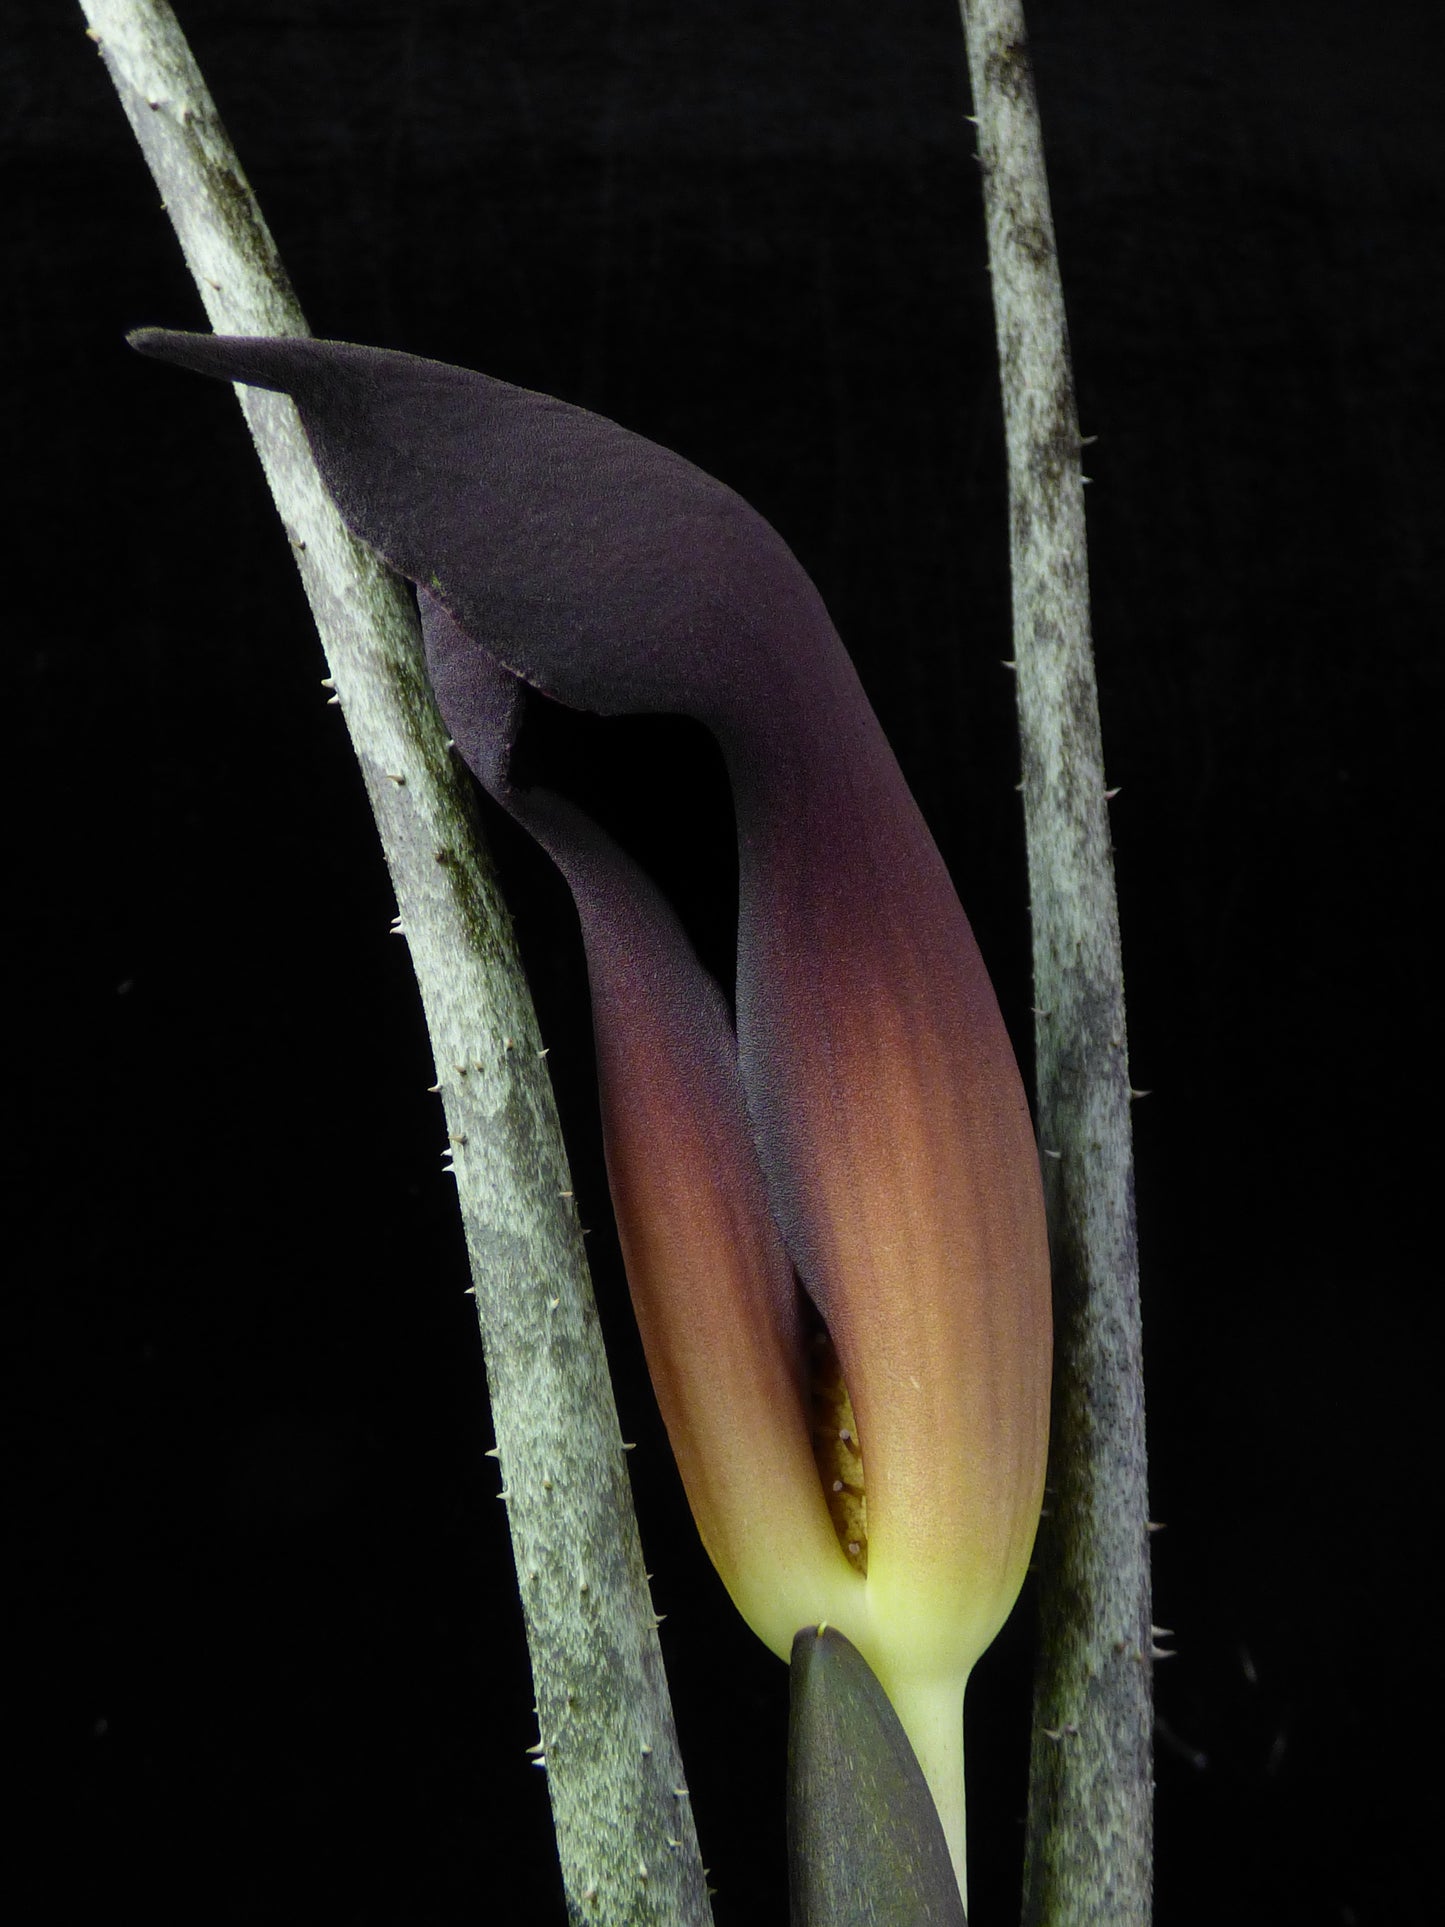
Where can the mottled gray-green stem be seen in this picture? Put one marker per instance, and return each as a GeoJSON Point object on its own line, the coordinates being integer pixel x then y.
{"type": "Point", "coordinates": [1088, 1856]}
{"type": "Point", "coordinates": [624, 1828]}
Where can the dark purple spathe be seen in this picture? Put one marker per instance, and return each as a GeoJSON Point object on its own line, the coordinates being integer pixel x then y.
{"type": "Point", "coordinates": [864, 1123]}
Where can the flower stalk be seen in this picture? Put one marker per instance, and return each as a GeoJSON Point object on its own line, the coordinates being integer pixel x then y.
{"type": "Point", "coordinates": [1091, 1777]}
{"type": "Point", "coordinates": [596, 1664]}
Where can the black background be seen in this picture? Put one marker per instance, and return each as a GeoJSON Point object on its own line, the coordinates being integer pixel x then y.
{"type": "Point", "coordinates": [268, 1617]}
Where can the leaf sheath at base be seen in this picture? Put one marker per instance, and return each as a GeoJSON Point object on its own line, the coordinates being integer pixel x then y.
{"type": "Point", "coordinates": [865, 1844]}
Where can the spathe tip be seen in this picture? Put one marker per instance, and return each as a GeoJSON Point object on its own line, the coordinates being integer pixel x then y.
{"type": "Point", "coordinates": [261, 361]}
{"type": "Point", "coordinates": [171, 344]}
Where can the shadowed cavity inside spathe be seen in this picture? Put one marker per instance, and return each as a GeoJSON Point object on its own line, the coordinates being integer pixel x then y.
{"type": "Point", "coordinates": [658, 787]}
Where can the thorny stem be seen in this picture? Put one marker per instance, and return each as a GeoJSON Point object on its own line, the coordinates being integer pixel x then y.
{"type": "Point", "coordinates": [1088, 1854]}
{"type": "Point", "coordinates": [624, 1827]}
